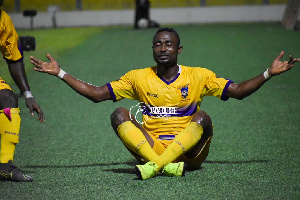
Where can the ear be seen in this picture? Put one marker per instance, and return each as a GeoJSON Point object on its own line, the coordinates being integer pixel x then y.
{"type": "Point", "coordinates": [179, 50]}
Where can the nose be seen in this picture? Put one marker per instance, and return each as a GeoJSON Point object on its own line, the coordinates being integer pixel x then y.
{"type": "Point", "coordinates": [163, 47]}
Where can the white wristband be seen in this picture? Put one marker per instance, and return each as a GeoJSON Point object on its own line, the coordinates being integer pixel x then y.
{"type": "Point", "coordinates": [27, 94]}
{"type": "Point", "coordinates": [267, 75]}
{"type": "Point", "coordinates": [61, 74]}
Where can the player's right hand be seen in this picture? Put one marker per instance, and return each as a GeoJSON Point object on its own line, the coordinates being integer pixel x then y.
{"type": "Point", "coordinates": [33, 106]}
{"type": "Point", "coordinates": [51, 67]}
{"type": "Point", "coordinates": [277, 67]}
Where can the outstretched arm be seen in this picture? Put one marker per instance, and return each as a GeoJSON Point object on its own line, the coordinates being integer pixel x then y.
{"type": "Point", "coordinates": [92, 92]}
{"type": "Point", "coordinates": [246, 88]}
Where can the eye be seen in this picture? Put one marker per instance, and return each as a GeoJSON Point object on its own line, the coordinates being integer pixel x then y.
{"type": "Point", "coordinates": [156, 45]}
{"type": "Point", "coordinates": [169, 44]}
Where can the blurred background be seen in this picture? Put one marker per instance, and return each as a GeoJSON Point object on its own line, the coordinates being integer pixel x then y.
{"type": "Point", "coordinates": [71, 5]}
{"type": "Point", "coordinates": [31, 14]}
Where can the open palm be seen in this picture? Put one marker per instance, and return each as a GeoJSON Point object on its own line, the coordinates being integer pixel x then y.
{"type": "Point", "coordinates": [52, 67]}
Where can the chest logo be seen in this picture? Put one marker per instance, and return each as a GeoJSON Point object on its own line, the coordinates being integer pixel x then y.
{"type": "Point", "coordinates": [152, 95]}
{"type": "Point", "coordinates": [184, 91]}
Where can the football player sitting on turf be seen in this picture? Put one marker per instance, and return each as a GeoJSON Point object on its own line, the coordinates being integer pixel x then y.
{"type": "Point", "coordinates": [10, 120]}
{"type": "Point", "coordinates": [175, 134]}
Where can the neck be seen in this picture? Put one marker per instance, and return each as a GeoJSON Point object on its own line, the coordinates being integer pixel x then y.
{"type": "Point", "coordinates": [168, 73]}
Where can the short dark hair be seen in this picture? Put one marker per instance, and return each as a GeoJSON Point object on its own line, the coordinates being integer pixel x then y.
{"type": "Point", "coordinates": [1, 2]}
{"type": "Point", "coordinates": [170, 30]}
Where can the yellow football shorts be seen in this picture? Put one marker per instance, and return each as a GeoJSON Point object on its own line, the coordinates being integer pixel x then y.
{"type": "Point", "coordinates": [4, 85]}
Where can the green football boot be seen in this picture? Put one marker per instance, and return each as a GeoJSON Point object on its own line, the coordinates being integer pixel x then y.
{"type": "Point", "coordinates": [146, 171]}
{"type": "Point", "coordinates": [174, 169]}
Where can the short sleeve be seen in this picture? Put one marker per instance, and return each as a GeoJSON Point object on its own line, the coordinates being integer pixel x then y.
{"type": "Point", "coordinates": [9, 39]}
{"type": "Point", "coordinates": [124, 87]}
{"type": "Point", "coordinates": [216, 86]}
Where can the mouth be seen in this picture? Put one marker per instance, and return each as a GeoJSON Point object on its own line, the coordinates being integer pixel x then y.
{"type": "Point", "coordinates": [163, 56]}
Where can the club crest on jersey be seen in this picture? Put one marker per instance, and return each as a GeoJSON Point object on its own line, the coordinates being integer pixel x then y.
{"type": "Point", "coordinates": [184, 90]}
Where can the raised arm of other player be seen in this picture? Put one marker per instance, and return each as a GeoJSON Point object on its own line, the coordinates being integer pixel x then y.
{"type": "Point", "coordinates": [246, 88]}
{"type": "Point", "coordinates": [92, 92]}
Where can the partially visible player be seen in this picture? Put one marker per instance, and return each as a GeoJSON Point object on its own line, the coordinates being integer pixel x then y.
{"type": "Point", "coordinates": [175, 133]}
{"type": "Point", "coordinates": [9, 110]}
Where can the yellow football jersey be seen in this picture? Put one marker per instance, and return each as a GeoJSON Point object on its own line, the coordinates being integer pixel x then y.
{"type": "Point", "coordinates": [4, 85]}
{"type": "Point", "coordinates": [168, 107]}
{"type": "Point", "coordinates": [8, 38]}
{"type": "Point", "coordinates": [8, 43]}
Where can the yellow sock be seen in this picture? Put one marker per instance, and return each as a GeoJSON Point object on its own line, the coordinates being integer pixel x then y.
{"type": "Point", "coordinates": [9, 132]}
{"type": "Point", "coordinates": [135, 140]}
{"type": "Point", "coordinates": [183, 142]}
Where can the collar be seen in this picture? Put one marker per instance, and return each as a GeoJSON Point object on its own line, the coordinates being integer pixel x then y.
{"type": "Point", "coordinates": [174, 79]}
{"type": "Point", "coordinates": [179, 69]}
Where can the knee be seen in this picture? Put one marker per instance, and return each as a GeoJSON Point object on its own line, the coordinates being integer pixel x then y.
{"type": "Point", "coordinates": [8, 99]}
{"type": "Point", "coordinates": [119, 116]}
{"type": "Point", "coordinates": [203, 119]}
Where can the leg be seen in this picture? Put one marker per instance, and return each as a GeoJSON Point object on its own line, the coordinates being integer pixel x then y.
{"type": "Point", "coordinates": [196, 155]}
{"type": "Point", "coordinates": [133, 135]}
{"type": "Point", "coordinates": [121, 115]}
{"type": "Point", "coordinates": [188, 141]}
{"type": "Point", "coordinates": [141, 12]}
{"type": "Point", "coordinates": [10, 125]}
{"type": "Point", "coordinates": [9, 132]}
{"type": "Point", "coordinates": [137, 140]}
{"type": "Point", "coordinates": [8, 99]}
{"type": "Point", "coordinates": [203, 120]}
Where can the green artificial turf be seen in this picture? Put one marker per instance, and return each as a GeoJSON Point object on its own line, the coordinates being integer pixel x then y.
{"type": "Point", "coordinates": [55, 41]}
{"type": "Point", "coordinates": [75, 154]}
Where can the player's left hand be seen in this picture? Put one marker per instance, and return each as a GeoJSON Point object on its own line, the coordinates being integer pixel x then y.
{"type": "Point", "coordinates": [51, 67]}
{"type": "Point", "coordinates": [278, 66]}
{"type": "Point", "coordinates": [33, 106]}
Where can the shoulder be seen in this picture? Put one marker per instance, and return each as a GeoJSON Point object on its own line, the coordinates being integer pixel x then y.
{"type": "Point", "coordinates": [196, 70]}
{"type": "Point", "coordinates": [141, 72]}
{"type": "Point", "coordinates": [5, 17]}
{"type": "Point", "coordinates": [143, 69]}
{"type": "Point", "coordinates": [6, 22]}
